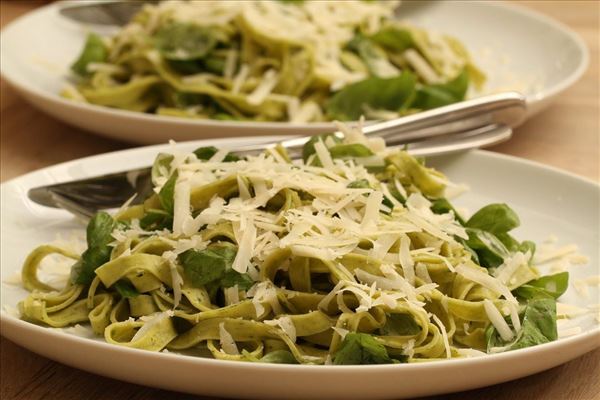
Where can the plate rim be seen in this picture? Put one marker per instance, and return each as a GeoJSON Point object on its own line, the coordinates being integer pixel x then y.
{"type": "Point", "coordinates": [532, 99]}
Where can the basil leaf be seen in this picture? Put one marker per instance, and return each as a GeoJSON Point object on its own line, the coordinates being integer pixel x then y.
{"type": "Point", "coordinates": [279, 357]}
{"type": "Point", "coordinates": [494, 218]}
{"type": "Point", "coordinates": [182, 41]}
{"type": "Point", "coordinates": [490, 251]}
{"type": "Point", "coordinates": [551, 285]}
{"type": "Point", "coordinates": [166, 196]}
{"type": "Point", "coordinates": [359, 349]}
{"type": "Point", "coordinates": [394, 38]}
{"type": "Point", "coordinates": [400, 325]}
{"type": "Point", "coordinates": [213, 266]}
{"type": "Point", "coordinates": [232, 277]}
{"type": "Point", "coordinates": [156, 220]}
{"type": "Point", "coordinates": [538, 325]}
{"type": "Point", "coordinates": [438, 95]}
{"type": "Point", "coordinates": [125, 289]}
{"type": "Point", "coordinates": [377, 93]}
{"type": "Point", "coordinates": [99, 236]}
{"type": "Point", "coordinates": [205, 153]}
{"type": "Point", "coordinates": [94, 50]}
{"type": "Point", "coordinates": [206, 266]}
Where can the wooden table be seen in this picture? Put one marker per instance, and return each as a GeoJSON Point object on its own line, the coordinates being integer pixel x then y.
{"type": "Point", "coordinates": [565, 136]}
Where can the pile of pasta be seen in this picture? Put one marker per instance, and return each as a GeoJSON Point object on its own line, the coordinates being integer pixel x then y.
{"type": "Point", "coordinates": [273, 61]}
{"type": "Point", "coordinates": [350, 256]}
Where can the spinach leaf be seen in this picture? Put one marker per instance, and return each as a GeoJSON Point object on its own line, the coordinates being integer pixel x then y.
{"type": "Point", "coordinates": [361, 348]}
{"type": "Point", "coordinates": [156, 220]}
{"type": "Point", "coordinates": [309, 147]}
{"type": "Point", "coordinates": [212, 267]}
{"type": "Point", "coordinates": [279, 357]}
{"type": "Point", "coordinates": [513, 244]}
{"type": "Point", "coordinates": [391, 94]}
{"type": "Point", "coordinates": [94, 50]}
{"type": "Point", "coordinates": [494, 218]}
{"type": "Point", "coordinates": [443, 206]}
{"type": "Point", "coordinates": [538, 325]}
{"type": "Point", "coordinates": [350, 151]}
{"type": "Point", "coordinates": [232, 277]}
{"type": "Point", "coordinates": [125, 289]}
{"type": "Point", "coordinates": [400, 325]}
{"type": "Point", "coordinates": [205, 153]}
{"type": "Point", "coordinates": [166, 196]}
{"type": "Point", "coordinates": [551, 286]}
{"type": "Point", "coordinates": [490, 251]}
{"type": "Point", "coordinates": [99, 236]}
{"type": "Point", "coordinates": [394, 38]}
{"type": "Point", "coordinates": [183, 41]}
{"type": "Point", "coordinates": [438, 95]}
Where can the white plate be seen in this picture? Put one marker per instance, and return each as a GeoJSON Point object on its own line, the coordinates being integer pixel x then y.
{"type": "Point", "coordinates": [548, 201]}
{"type": "Point", "coordinates": [518, 49]}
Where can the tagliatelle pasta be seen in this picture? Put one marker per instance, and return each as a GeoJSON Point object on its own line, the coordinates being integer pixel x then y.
{"type": "Point", "coordinates": [315, 261]}
{"type": "Point", "coordinates": [291, 61]}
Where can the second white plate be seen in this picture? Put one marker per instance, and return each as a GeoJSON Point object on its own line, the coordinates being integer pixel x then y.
{"type": "Point", "coordinates": [518, 49]}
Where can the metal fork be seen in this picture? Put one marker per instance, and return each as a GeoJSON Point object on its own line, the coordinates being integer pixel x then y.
{"type": "Point", "coordinates": [473, 123]}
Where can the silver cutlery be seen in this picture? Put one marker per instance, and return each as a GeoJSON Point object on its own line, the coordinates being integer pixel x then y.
{"type": "Point", "coordinates": [469, 124]}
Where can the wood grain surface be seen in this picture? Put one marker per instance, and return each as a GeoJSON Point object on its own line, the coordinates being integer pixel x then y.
{"type": "Point", "coordinates": [565, 136]}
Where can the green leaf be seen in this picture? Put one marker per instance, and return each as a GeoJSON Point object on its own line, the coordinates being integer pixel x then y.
{"type": "Point", "coordinates": [205, 153]}
{"type": "Point", "coordinates": [350, 151]}
{"type": "Point", "coordinates": [551, 285]}
{"type": "Point", "coordinates": [206, 266]}
{"type": "Point", "coordinates": [94, 51]}
{"type": "Point", "coordinates": [438, 95]}
{"type": "Point", "coordinates": [377, 93]}
{"type": "Point", "coordinates": [490, 251]}
{"type": "Point", "coordinates": [394, 38]}
{"type": "Point", "coordinates": [359, 349]}
{"type": "Point", "coordinates": [213, 266]}
{"type": "Point", "coordinates": [166, 196]}
{"type": "Point", "coordinates": [99, 236]}
{"type": "Point", "coordinates": [443, 206]}
{"type": "Point", "coordinates": [231, 278]}
{"type": "Point", "coordinates": [538, 325]}
{"type": "Point", "coordinates": [156, 220]}
{"type": "Point", "coordinates": [125, 289]}
{"type": "Point", "coordinates": [279, 357]}
{"type": "Point", "coordinates": [182, 41]}
{"type": "Point", "coordinates": [309, 147]}
{"type": "Point", "coordinates": [494, 218]}
{"type": "Point", "coordinates": [400, 325]}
